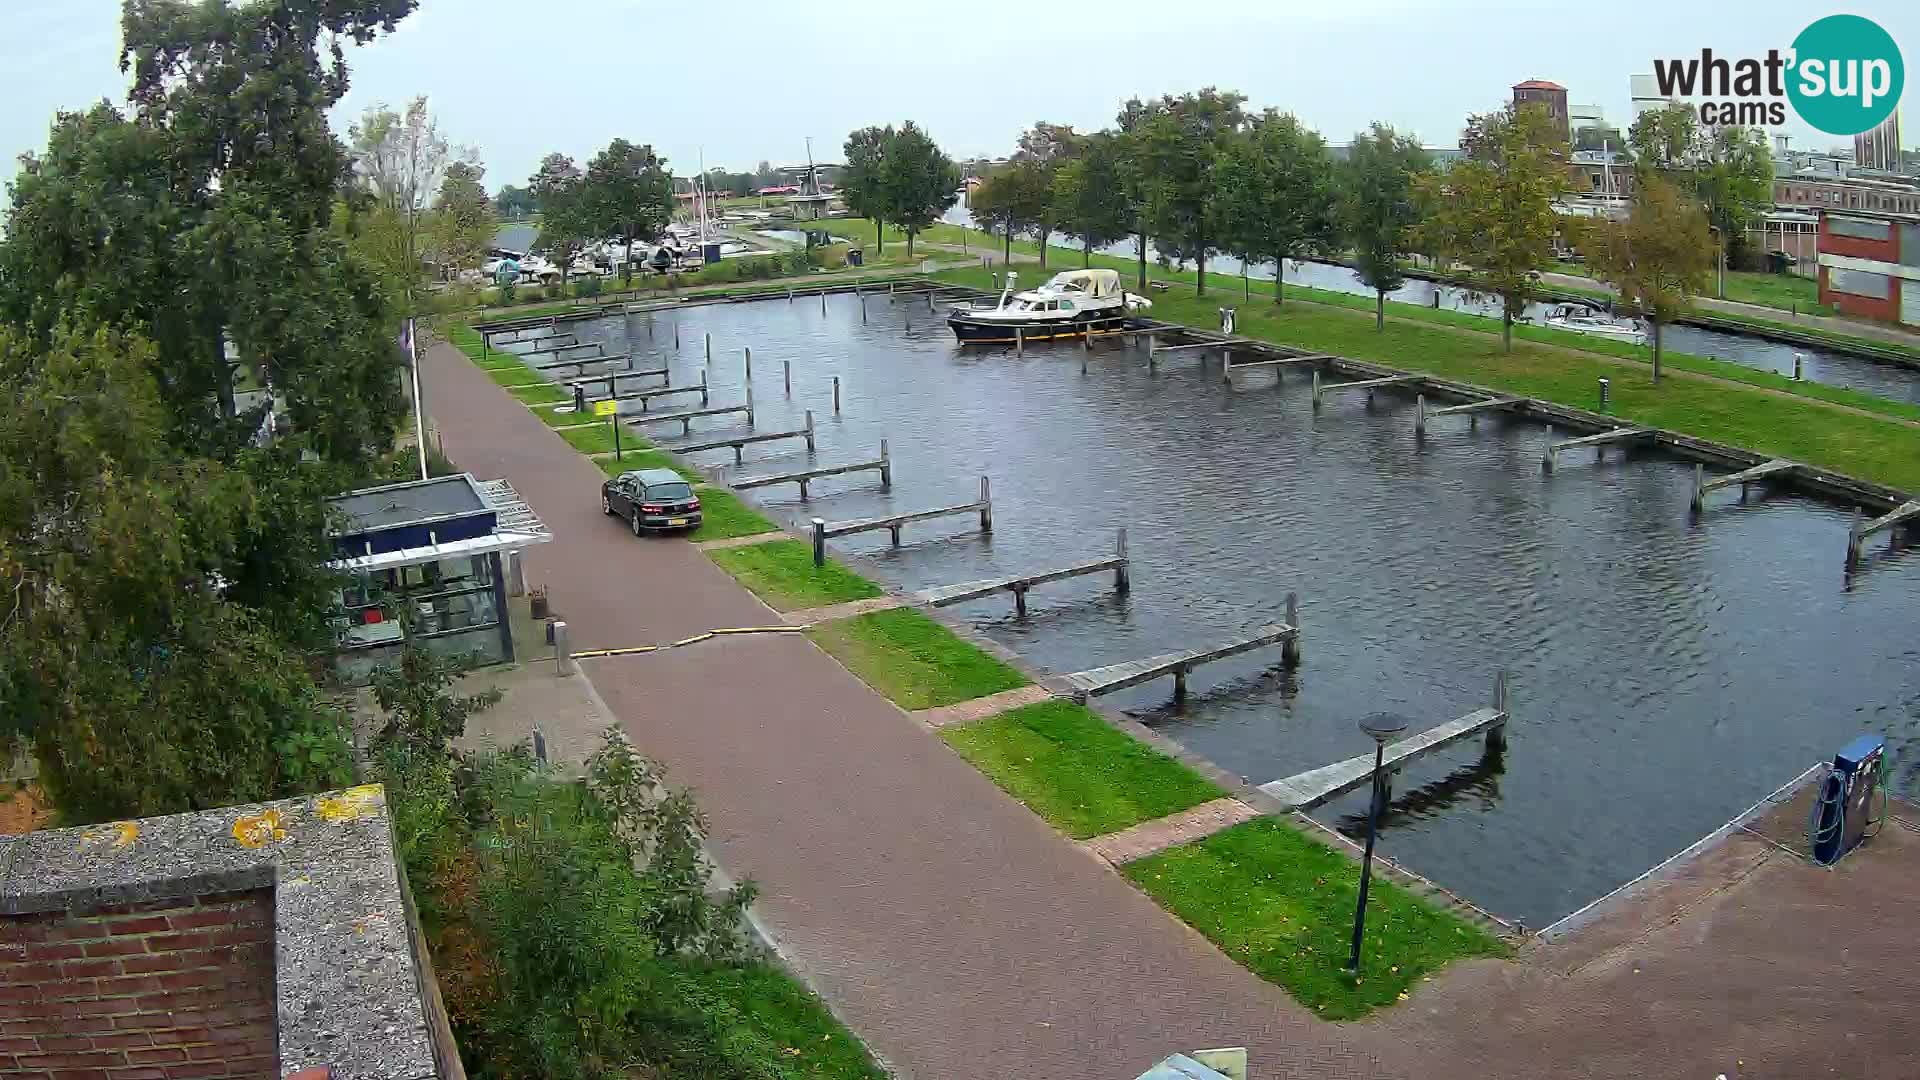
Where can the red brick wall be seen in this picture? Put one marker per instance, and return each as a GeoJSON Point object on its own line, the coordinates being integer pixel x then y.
{"type": "Point", "coordinates": [164, 990]}
{"type": "Point", "coordinates": [1866, 307]}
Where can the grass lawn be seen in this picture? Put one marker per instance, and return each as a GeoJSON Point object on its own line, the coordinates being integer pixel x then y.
{"type": "Point", "coordinates": [1784, 425]}
{"type": "Point", "coordinates": [800, 1037]}
{"type": "Point", "coordinates": [1075, 770]}
{"type": "Point", "coordinates": [598, 439]}
{"type": "Point", "coordinates": [514, 374]}
{"type": "Point", "coordinates": [723, 514]}
{"type": "Point", "coordinates": [782, 573]}
{"type": "Point", "coordinates": [1281, 903]}
{"type": "Point", "coordinates": [914, 660]}
{"type": "Point", "coordinates": [534, 393]}
{"type": "Point", "coordinates": [1783, 291]}
{"type": "Point", "coordinates": [634, 460]}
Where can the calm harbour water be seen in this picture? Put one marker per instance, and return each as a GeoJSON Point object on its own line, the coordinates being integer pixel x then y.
{"type": "Point", "coordinates": [1666, 672]}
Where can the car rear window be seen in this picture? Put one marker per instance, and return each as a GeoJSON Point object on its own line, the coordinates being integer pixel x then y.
{"type": "Point", "coordinates": [669, 492]}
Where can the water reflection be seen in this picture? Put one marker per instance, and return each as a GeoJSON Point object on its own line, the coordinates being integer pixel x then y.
{"type": "Point", "coordinates": [1667, 671]}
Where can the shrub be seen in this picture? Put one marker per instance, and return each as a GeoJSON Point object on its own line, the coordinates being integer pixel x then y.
{"type": "Point", "coordinates": [506, 290]}
{"type": "Point", "coordinates": [587, 286]}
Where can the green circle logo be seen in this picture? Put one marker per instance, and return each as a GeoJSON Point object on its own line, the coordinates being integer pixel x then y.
{"type": "Point", "coordinates": [1846, 75]}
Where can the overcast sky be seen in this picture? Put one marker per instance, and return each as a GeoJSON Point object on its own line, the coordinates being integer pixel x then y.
{"type": "Point", "coordinates": [747, 80]}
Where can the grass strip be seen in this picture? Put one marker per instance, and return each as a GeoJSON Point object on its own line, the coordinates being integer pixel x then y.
{"type": "Point", "coordinates": [536, 393]}
{"type": "Point", "coordinates": [914, 660]}
{"type": "Point", "coordinates": [598, 438]}
{"type": "Point", "coordinates": [635, 460]}
{"type": "Point", "coordinates": [1873, 447]}
{"type": "Point", "coordinates": [767, 1006]}
{"type": "Point", "coordinates": [1077, 771]}
{"type": "Point", "coordinates": [782, 573]}
{"type": "Point", "coordinates": [724, 515]}
{"type": "Point", "coordinates": [1281, 903]}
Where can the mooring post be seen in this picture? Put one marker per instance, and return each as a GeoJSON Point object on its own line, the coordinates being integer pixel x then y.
{"type": "Point", "coordinates": [485, 341]}
{"type": "Point", "coordinates": [709, 348]}
{"type": "Point", "coordinates": [1020, 601]}
{"type": "Point", "coordinates": [1290, 648]}
{"type": "Point", "coordinates": [786, 375]}
{"type": "Point", "coordinates": [1798, 359]}
{"type": "Point", "coordinates": [649, 326]}
{"type": "Point", "coordinates": [986, 506]}
{"type": "Point", "coordinates": [809, 431]}
{"type": "Point", "coordinates": [703, 390]}
{"type": "Point", "coordinates": [1854, 540]}
{"type": "Point", "coordinates": [823, 301]}
{"type": "Point", "coordinates": [863, 306]}
{"type": "Point", "coordinates": [930, 306]}
{"type": "Point", "coordinates": [889, 292]}
{"type": "Point", "coordinates": [909, 318]}
{"type": "Point", "coordinates": [886, 468]}
{"type": "Point", "coordinates": [1180, 683]}
{"type": "Point", "coordinates": [739, 454]}
{"type": "Point", "coordinates": [1019, 341]}
{"type": "Point", "coordinates": [562, 649]}
{"type": "Point", "coordinates": [1419, 414]}
{"type": "Point", "coordinates": [1226, 366]}
{"type": "Point", "coordinates": [789, 294]}
{"type": "Point", "coordinates": [1547, 459]}
{"type": "Point", "coordinates": [1699, 487]}
{"type": "Point", "coordinates": [1316, 388]}
{"type": "Point", "coordinates": [1497, 734]}
{"type": "Point", "coordinates": [749, 404]}
{"type": "Point", "coordinates": [676, 336]}
{"type": "Point", "coordinates": [1123, 570]}
{"type": "Point", "coordinates": [819, 535]}
{"type": "Point", "coordinates": [836, 395]}
{"type": "Point", "coordinates": [749, 351]}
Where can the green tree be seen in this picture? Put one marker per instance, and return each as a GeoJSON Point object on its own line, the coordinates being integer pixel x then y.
{"type": "Point", "coordinates": [1273, 193]}
{"type": "Point", "coordinates": [1045, 149]}
{"type": "Point", "coordinates": [401, 158]}
{"type": "Point", "coordinates": [560, 192]}
{"type": "Point", "coordinates": [1090, 195]}
{"type": "Point", "coordinates": [141, 685]}
{"type": "Point", "coordinates": [1377, 210]}
{"type": "Point", "coordinates": [1727, 168]}
{"type": "Point", "coordinates": [1658, 258]}
{"type": "Point", "coordinates": [863, 184]}
{"type": "Point", "coordinates": [463, 223]}
{"type": "Point", "coordinates": [1013, 199]}
{"type": "Point", "coordinates": [1493, 211]}
{"type": "Point", "coordinates": [628, 193]}
{"type": "Point", "coordinates": [513, 203]}
{"type": "Point", "coordinates": [920, 181]}
{"type": "Point", "coordinates": [1179, 142]}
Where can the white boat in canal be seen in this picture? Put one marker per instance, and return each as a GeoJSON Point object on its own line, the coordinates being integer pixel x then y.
{"type": "Point", "coordinates": [1070, 304]}
{"type": "Point", "coordinates": [1581, 319]}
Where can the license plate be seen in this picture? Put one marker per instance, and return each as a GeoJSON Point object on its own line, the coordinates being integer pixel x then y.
{"type": "Point", "coordinates": [676, 521]}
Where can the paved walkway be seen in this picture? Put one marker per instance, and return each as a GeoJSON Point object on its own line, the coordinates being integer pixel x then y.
{"type": "Point", "coordinates": [944, 921]}
{"type": "Point", "coordinates": [950, 927]}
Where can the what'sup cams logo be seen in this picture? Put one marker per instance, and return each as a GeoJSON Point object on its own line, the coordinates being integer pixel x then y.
{"type": "Point", "coordinates": [1843, 75]}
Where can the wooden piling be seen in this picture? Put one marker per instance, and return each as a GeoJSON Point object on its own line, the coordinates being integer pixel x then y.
{"type": "Point", "coordinates": [886, 468]}
{"type": "Point", "coordinates": [1497, 734]}
{"type": "Point", "coordinates": [819, 539]}
{"type": "Point", "coordinates": [823, 302]}
{"type": "Point", "coordinates": [1019, 341]}
{"type": "Point", "coordinates": [1419, 414]}
{"type": "Point", "coordinates": [836, 395]}
{"type": "Point", "coordinates": [786, 375]}
{"type": "Point", "coordinates": [1316, 388]}
{"type": "Point", "coordinates": [1290, 649]}
{"type": "Point", "coordinates": [749, 351]}
{"type": "Point", "coordinates": [709, 348]}
{"type": "Point", "coordinates": [1699, 501]}
{"type": "Point", "coordinates": [809, 431]}
{"type": "Point", "coordinates": [1123, 573]}
{"type": "Point", "coordinates": [986, 506]}
{"type": "Point", "coordinates": [749, 404]}
{"type": "Point", "coordinates": [676, 335]}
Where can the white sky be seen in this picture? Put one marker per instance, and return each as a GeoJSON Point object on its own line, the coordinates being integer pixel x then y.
{"type": "Point", "coordinates": [750, 80]}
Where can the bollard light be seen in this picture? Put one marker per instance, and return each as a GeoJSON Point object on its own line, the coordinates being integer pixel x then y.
{"type": "Point", "coordinates": [1605, 386]}
{"type": "Point", "coordinates": [1382, 728]}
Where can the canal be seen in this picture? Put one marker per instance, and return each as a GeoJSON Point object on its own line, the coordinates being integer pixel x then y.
{"type": "Point", "coordinates": [1666, 672]}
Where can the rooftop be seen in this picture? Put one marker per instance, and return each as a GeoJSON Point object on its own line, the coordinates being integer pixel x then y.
{"type": "Point", "coordinates": [1539, 84]}
{"type": "Point", "coordinates": [411, 503]}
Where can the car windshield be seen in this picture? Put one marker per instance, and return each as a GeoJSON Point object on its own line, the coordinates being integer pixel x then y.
{"type": "Point", "coordinates": [669, 492]}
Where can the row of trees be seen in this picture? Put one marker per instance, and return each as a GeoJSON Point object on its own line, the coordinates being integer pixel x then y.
{"type": "Point", "coordinates": [416, 200]}
{"type": "Point", "coordinates": [625, 192]}
{"type": "Point", "coordinates": [1198, 174]}
{"type": "Point", "coordinates": [899, 177]}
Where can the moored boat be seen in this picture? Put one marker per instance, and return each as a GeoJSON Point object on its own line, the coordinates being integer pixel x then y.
{"type": "Point", "coordinates": [1581, 319]}
{"type": "Point", "coordinates": [1072, 303]}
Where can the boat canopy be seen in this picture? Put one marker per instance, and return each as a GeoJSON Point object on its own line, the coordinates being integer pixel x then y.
{"type": "Point", "coordinates": [1091, 282]}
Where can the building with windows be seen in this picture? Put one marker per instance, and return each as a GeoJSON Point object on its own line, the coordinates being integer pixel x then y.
{"type": "Point", "coordinates": [1810, 190]}
{"type": "Point", "coordinates": [1646, 95]}
{"type": "Point", "coordinates": [1552, 96]}
{"type": "Point", "coordinates": [1870, 265]}
{"type": "Point", "coordinates": [1878, 148]}
{"type": "Point", "coordinates": [426, 562]}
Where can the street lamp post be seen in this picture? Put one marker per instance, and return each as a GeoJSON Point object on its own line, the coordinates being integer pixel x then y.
{"type": "Point", "coordinates": [1382, 728]}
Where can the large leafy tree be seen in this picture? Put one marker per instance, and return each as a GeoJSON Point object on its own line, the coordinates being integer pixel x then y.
{"type": "Point", "coordinates": [1274, 196]}
{"type": "Point", "coordinates": [1090, 195]}
{"type": "Point", "coordinates": [1012, 199]}
{"type": "Point", "coordinates": [1493, 211]}
{"type": "Point", "coordinates": [628, 193]}
{"type": "Point", "coordinates": [920, 180]}
{"type": "Point", "coordinates": [402, 158]}
{"type": "Point", "coordinates": [1377, 210]}
{"type": "Point", "coordinates": [1044, 149]}
{"type": "Point", "coordinates": [1178, 145]}
{"type": "Point", "coordinates": [1658, 258]}
{"type": "Point", "coordinates": [560, 191]}
{"type": "Point", "coordinates": [1727, 168]}
{"type": "Point", "coordinates": [463, 222]}
{"type": "Point", "coordinates": [863, 183]}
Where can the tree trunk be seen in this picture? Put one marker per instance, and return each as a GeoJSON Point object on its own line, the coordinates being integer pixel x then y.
{"type": "Point", "coordinates": [1279, 279]}
{"type": "Point", "coordinates": [224, 388]}
{"type": "Point", "coordinates": [1656, 351]}
{"type": "Point", "coordinates": [1506, 330]}
{"type": "Point", "coordinates": [1201, 266]}
{"type": "Point", "coordinates": [879, 237]}
{"type": "Point", "coordinates": [1246, 287]}
{"type": "Point", "coordinates": [1009, 244]}
{"type": "Point", "coordinates": [1045, 235]}
{"type": "Point", "coordinates": [1379, 309]}
{"type": "Point", "coordinates": [626, 265]}
{"type": "Point", "coordinates": [910, 233]}
{"type": "Point", "coordinates": [1086, 252]}
{"type": "Point", "coordinates": [1140, 246]}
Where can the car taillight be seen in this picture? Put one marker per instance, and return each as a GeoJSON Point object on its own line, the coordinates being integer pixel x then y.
{"type": "Point", "coordinates": [647, 508]}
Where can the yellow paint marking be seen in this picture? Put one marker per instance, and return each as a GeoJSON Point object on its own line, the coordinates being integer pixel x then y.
{"type": "Point", "coordinates": [350, 805]}
{"type": "Point", "coordinates": [257, 830]}
{"type": "Point", "coordinates": [114, 836]}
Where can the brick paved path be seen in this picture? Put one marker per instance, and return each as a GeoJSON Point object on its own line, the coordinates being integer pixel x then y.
{"type": "Point", "coordinates": [944, 921]}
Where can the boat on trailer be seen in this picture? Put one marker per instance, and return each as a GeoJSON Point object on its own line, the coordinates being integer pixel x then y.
{"type": "Point", "coordinates": [1073, 303]}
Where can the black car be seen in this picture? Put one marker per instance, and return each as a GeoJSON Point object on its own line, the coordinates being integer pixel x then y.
{"type": "Point", "coordinates": [651, 499]}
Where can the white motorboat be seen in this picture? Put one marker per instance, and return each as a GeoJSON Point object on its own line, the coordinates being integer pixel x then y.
{"type": "Point", "coordinates": [1581, 319]}
{"type": "Point", "coordinates": [1072, 303]}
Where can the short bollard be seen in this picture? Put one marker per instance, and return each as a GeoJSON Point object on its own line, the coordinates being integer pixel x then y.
{"type": "Point", "coordinates": [819, 541]}
{"type": "Point", "coordinates": [1798, 360]}
{"type": "Point", "coordinates": [562, 649]}
{"type": "Point", "coordinates": [1605, 386]}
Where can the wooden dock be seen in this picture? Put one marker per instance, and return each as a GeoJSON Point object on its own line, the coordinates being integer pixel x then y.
{"type": "Point", "coordinates": [1019, 584]}
{"type": "Point", "coordinates": [1473, 409]}
{"type": "Point", "coordinates": [1094, 682]}
{"type": "Point", "coordinates": [1304, 791]}
{"type": "Point", "coordinates": [1857, 536]}
{"type": "Point", "coordinates": [1369, 385]}
{"type": "Point", "coordinates": [612, 378]}
{"type": "Point", "coordinates": [1278, 363]}
{"type": "Point", "coordinates": [686, 417]}
{"type": "Point", "coordinates": [1702, 485]}
{"type": "Point", "coordinates": [582, 363]}
{"type": "Point", "coordinates": [1598, 442]}
{"type": "Point", "coordinates": [823, 529]}
{"type": "Point", "coordinates": [738, 442]}
{"type": "Point", "coordinates": [882, 465]}
{"type": "Point", "coordinates": [572, 344]}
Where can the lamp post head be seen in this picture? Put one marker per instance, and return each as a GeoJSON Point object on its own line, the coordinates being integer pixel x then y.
{"type": "Point", "coordinates": [1384, 727]}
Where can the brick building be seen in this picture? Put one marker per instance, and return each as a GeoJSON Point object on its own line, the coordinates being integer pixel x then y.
{"type": "Point", "coordinates": [1870, 265]}
{"type": "Point", "coordinates": [248, 943]}
{"type": "Point", "coordinates": [1552, 96]}
{"type": "Point", "coordinates": [1815, 192]}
